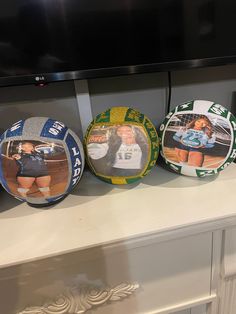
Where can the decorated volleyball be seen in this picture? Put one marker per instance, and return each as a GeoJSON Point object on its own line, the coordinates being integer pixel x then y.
{"type": "Point", "coordinates": [41, 160]}
{"type": "Point", "coordinates": [198, 138]}
{"type": "Point", "coordinates": [121, 145]}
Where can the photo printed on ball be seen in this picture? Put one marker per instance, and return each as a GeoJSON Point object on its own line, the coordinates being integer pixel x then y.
{"type": "Point", "coordinates": [35, 168]}
{"type": "Point", "coordinates": [197, 140]}
{"type": "Point", "coordinates": [118, 150]}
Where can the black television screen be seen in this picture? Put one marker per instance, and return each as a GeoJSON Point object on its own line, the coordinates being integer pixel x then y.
{"type": "Point", "coordinates": [50, 40]}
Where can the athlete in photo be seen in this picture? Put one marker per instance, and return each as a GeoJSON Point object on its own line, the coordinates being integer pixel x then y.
{"type": "Point", "coordinates": [31, 169]}
{"type": "Point", "coordinates": [124, 154]}
{"type": "Point", "coordinates": [193, 139]}
{"type": "Point", "coordinates": [128, 153]}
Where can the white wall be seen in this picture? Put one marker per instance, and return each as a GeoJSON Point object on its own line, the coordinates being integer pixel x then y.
{"type": "Point", "coordinates": [55, 100]}
{"type": "Point", "coordinates": [146, 92]}
{"type": "Point", "coordinates": [216, 84]}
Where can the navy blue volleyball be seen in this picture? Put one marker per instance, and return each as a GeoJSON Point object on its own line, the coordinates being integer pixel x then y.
{"type": "Point", "coordinates": [41, 160]}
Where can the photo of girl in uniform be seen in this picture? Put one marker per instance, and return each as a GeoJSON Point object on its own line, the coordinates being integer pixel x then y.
{"type": "Point", "coordinates": [197, 140]}
{"type": "Point", "coordinates": [120, 150]}
{"type": "Point", "coordinates": [35, 168]}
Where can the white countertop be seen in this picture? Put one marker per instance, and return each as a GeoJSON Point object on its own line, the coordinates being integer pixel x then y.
{"type": "Point", "coordinates": [98, 213]}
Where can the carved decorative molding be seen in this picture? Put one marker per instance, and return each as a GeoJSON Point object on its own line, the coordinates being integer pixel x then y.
{"type": "Point", "coordinates": [79, 300]}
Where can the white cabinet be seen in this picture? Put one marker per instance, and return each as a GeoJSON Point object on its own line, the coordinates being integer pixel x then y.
{"type": "Point", "coordinates": [164, 245]}
{"type": "Point", "coordinates": [150, 248]}
{"type": "Point", "coordinates": [160, 277]}
{"type": "Point", "coordinates": [195, 310]}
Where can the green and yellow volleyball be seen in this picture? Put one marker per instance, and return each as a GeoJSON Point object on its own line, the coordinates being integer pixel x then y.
{"type": "Point", "coordinates": [121, 145]}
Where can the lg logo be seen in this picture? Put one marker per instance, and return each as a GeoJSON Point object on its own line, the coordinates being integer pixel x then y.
{"type": "Point", "coordinates": [39, 78]}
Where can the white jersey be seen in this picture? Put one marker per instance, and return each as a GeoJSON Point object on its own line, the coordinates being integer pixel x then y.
{"type": "Point", "coordinates": [128, 157]}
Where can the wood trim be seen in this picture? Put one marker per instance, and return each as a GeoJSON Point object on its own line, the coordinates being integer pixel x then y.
{"type": "Point", "coordinates": [217, 249]}
{"type": "Point", "coordinates": [185, 305]}
{"type": "Point", "coordinates": [84, 103]}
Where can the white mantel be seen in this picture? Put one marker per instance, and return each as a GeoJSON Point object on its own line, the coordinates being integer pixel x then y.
{"type": "Point", "coordinates": [163, 205]}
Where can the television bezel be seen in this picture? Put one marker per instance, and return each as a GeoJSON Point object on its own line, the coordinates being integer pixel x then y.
{"type": "Point", "coordinates": [44, 78]}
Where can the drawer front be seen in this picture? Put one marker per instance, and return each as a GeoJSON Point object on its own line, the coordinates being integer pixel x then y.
{"type": "Point", "coordinates": [140, 278]}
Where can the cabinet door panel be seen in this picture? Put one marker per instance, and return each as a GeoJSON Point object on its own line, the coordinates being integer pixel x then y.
{"type": "Point", "coordinates": [125, 279]}
{"type": "Point", "coordinates": [201, 309]}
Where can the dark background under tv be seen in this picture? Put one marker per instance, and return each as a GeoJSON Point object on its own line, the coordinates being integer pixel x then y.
{"type": "Point", "coordinates": [78, 39]}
